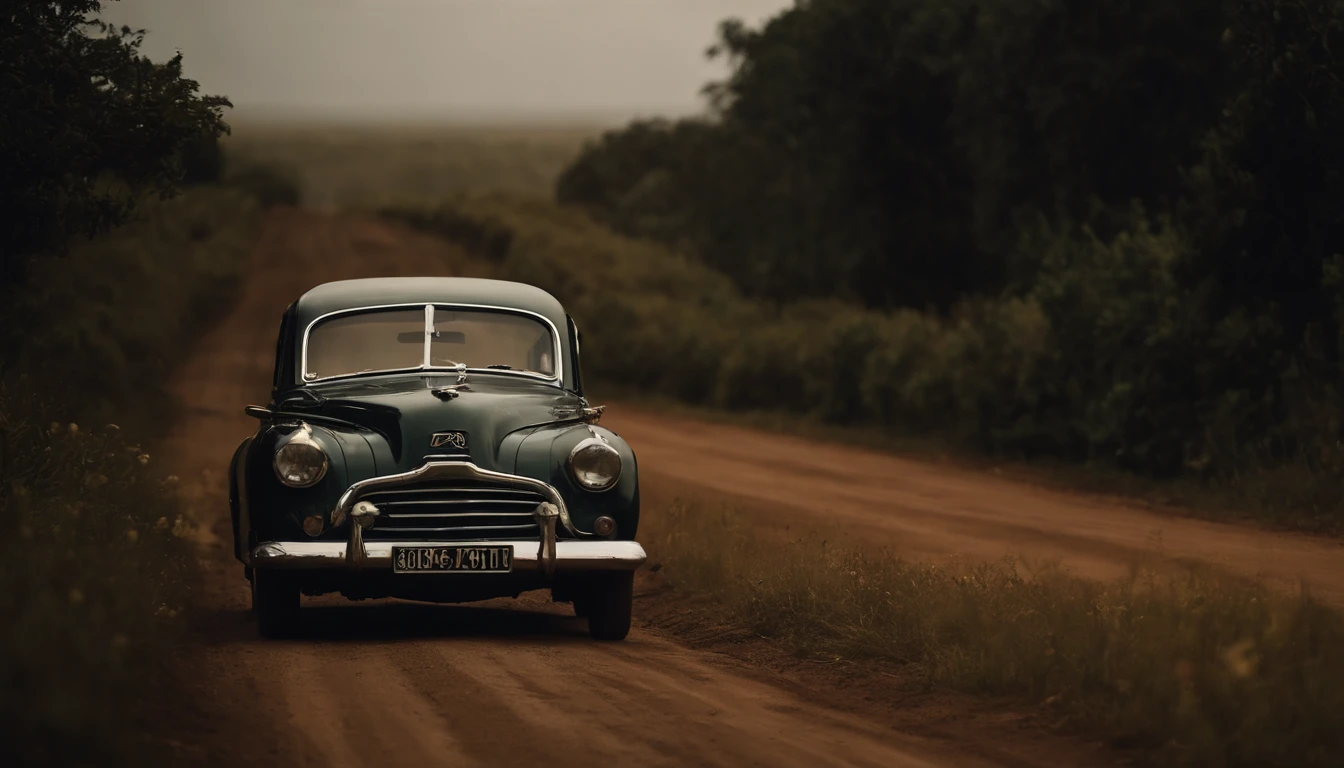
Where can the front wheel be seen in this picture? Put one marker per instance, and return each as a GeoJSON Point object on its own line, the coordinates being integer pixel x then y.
{"type": "Point", "coordinates": [275, 600]}
{"type": "Point", "coordinates": [608, 604]}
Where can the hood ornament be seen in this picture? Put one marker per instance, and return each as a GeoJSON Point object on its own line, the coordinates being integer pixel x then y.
{"type": "Point", "coordinates": [456, 388]}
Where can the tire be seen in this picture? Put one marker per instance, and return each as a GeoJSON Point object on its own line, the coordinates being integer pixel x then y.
{"type": "Point", "coordinates": [275, 600]}
{"type": "Point", "coordinates": [581, 607]}
{"type": "Point", "coordinates": [609, 603]}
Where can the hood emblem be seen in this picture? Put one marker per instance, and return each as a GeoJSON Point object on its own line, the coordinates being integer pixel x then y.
{"type": "Point", "coordinates": [456, 440]}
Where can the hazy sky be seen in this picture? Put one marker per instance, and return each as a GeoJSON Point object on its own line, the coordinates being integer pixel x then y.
{"type": "Point", "coordinates": [443, 57]}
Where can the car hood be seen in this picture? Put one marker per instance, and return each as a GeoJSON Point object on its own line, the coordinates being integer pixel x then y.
{"type": "Point", "coordinates": [407, 413]}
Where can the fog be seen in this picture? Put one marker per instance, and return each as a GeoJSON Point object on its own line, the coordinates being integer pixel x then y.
{"type": "Point", "coordinates": [443, 58]}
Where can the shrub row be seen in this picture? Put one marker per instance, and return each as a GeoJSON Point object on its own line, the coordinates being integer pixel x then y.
{"type": "Point", "coordinates": [1105, 359]}
{"type": "Point", "coordinates": [95, 558]}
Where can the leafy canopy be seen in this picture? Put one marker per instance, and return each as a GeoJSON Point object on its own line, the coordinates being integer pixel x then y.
{"type": "Point", "coordinates": [88, 124]}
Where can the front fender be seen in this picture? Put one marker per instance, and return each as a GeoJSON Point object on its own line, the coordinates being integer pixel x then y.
{"type": "Point", "coordinates": [273, 511]}
{"type": "Point", "coordinates": [544, 454]}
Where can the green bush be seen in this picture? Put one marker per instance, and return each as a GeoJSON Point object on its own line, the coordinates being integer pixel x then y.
{"type": "Point", "coordinates": [96, 561]}
{"type": "Point", "coordinates": [832, 343]}
{"type": "Point", "coordinates": [96, 574]}
{"type": "Point", "coordinates": [111, 304]}
{"type": "Point", "coordinates": [764, 374]}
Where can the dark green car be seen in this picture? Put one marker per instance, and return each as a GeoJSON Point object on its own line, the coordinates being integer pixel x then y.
{"type": "Point", "coordinates": [428, 439]}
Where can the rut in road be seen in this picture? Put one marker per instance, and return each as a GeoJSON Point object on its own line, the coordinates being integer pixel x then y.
{"type": "Point", "coordinates": [501, 683]}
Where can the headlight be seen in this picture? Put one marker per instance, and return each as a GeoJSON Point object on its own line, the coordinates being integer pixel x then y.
{"type": "Point", "coordinates": [300, 462]}
{"type": "Point", "coordinates": [595, 465]}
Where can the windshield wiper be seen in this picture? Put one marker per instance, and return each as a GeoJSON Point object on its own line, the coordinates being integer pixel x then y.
{"type": "Point", "coordinates": [502, 367]}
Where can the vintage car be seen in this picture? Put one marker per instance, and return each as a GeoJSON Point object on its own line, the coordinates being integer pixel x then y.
{"type": "Point", "coordinates": [429, 439]}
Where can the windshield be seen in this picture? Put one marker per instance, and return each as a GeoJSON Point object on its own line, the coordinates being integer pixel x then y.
{"type": "Point", "coordinates": [428, 337]}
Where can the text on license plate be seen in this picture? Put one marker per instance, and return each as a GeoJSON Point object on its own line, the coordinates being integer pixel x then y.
{"type": "Point", "coordinates": [452, 559]}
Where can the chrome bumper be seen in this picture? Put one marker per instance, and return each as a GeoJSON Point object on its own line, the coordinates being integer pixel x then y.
{"type": "Point", "coordinates": [570, 556]}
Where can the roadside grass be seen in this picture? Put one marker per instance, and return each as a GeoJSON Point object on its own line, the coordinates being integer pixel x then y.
{"type": "Point", "coordinates": [97, 559]}
{"type": "Point", "coordinates": [1194, 669]}
{"type": "Point", "coordinates": [96, 571]}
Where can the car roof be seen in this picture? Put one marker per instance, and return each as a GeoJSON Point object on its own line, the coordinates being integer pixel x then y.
{"type": "Point", "coordinates": [380, 291]}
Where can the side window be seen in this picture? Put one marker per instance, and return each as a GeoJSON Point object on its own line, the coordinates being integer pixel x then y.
{"type": "Point", "coordinates": [575, 337]}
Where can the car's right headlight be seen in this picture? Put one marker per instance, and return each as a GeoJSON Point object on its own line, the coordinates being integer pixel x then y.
{"type": "Point", "coordinates": [595, 465]}
{"type": "Point", "coordinates": [300, 462]}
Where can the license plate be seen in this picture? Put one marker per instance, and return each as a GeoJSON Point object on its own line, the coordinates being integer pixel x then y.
{"type": "Point", "coordinates": [452, 559]}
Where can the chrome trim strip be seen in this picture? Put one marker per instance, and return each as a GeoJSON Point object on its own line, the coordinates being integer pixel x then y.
{"type": "Point", "coordinates": [444, 529]}
{"type": "Point", "coordinates": [570, 556]}
{"type": "Point", "coordinates": [448, 500]}
{"type": "Point", "coordinates": [450, 515]}
{"type": "Point", "coordinates": [558, 378]}
{"type": "Point", "coordinates": [452, 502]}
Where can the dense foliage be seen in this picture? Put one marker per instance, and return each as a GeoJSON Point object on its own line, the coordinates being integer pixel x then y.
{"type": "Point", "coordinates": [88, 126]}
{"type": "Point", "coordinates": [989, 376]}
{"type": "Point", "coordinates": [1135, 207]}
{"type": "Point", "coordinates": [102, 285]}
{"type": "Point", "coordinates": [100, 559]}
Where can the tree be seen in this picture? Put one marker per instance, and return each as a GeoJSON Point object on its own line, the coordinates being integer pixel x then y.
{"type": "Point", "coordinates": [886, 150]}
{"type": "Point", "coordinates": [87, 125]}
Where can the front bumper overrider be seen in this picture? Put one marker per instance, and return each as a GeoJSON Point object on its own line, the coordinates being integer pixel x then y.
{"type": "Point", "coordinates": [548, 555]}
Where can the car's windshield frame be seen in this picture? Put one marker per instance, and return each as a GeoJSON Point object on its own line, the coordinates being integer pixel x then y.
{"type": "Point", "coordinates": [557, 378]}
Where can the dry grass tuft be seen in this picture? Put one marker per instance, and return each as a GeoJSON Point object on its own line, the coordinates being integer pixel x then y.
{"type": "Point", "coordinates": [1198, 669]}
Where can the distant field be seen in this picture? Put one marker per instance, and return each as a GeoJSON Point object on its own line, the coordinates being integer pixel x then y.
{"type": "Point", "coordinates": [371, 165]}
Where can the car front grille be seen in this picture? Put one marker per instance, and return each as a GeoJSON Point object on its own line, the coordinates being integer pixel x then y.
{"type": "Point", "coordinates": [464, 511]}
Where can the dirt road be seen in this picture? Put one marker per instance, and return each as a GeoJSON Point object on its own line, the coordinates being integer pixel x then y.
{"type": "Point", "coordinates": [507, 683]}
{"type": "Point", "coordinates": [489, 684]}
{"type": "Point", "coordinates": [923, 510]}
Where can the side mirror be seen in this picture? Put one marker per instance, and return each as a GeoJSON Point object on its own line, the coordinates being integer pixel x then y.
{"type": "Point", "coordinates": [257, 412]}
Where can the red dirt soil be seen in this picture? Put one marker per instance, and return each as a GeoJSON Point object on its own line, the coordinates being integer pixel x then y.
{"type": "Point", "coordinates": [926, 511]}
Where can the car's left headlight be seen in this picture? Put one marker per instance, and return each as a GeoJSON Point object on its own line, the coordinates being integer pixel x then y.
{"type": "Point", "coordinates": [300, 462]}
{"type": "Point", "coordinates": [595, 465]}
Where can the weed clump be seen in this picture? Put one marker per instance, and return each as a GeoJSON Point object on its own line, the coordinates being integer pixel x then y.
{"type": "Point", "coordinates": [1197, 669]}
